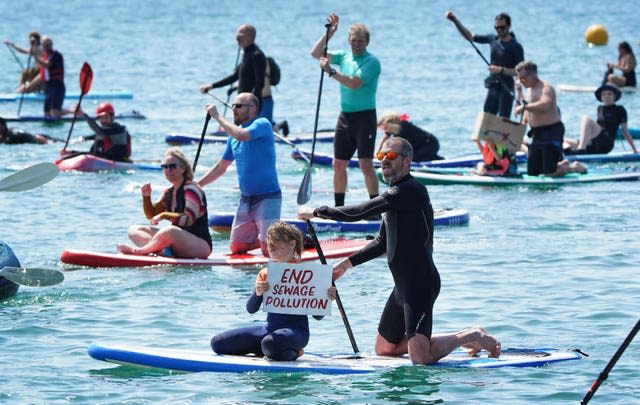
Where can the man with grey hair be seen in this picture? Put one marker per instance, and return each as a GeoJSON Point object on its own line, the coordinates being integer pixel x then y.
{"type": "Point", "coordinates": [542, 114]}
{"type": "Point", "coordinates": [406, 236]}
{"type": "Point", "coordinates": [357, 123]}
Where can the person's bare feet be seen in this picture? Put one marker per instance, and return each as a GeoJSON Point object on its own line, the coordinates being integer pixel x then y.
{"type": "Point", "coordinates": [126, 249]}
{"type": "Point", "coordinates": [483, 341]}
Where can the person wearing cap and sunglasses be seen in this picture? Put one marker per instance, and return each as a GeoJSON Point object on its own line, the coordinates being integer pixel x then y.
{"type": "Point", "coordinates": [184, 205]}
{"type": "Point", "coordinates": [506, 53]}
{"type": "Point", "coordinates": [251, 145]}
{"type": "Point", "coordinates": [406, 236]}
{"type": "Point", "coordinates": [111, 140]}
{"type": "Point", "coordinates": [599, 136]}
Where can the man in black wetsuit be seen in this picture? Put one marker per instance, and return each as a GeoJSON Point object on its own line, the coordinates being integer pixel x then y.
{"type": "Point", "coordinates": [250, 73]}
{"type": "Point", "coordinates": [406, 236]}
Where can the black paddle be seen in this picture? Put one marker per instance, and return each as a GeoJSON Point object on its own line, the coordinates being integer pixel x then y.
{"type": "Point", "coordinates": [605, 373]}
{"type": "Point", "coordinates": [230, 91]}
{"type": "Point", "coordinates": [204, 131]}
{"type": "Point", "coordinates": [304, 192]}
{"type": "Point", "coordinates": [86, 76]}
{"type": "Point", "coordinates": [343, 314]}
{"type": "Point", "coordinates": [22, 94]}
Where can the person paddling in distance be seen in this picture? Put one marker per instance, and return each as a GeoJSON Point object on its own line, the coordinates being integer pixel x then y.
{"type": "Point", "coordinates": [547, 130]}
{"type": "Point", "coordinates": [284, 336]}
{"type": "Point", "coordinates": [506, 53]}
{"type": "Point", "coordinates": [184, 205]}
{"type": "Point", "coordinates": [406, 236]}
{"type": "Point", "coordinates": [18, 136]}
{"type": "Point", "coordinates": [111, 140]}
{"type": "Point", "coordinates": [51, 76]}
{"type": "Point", "coordinates": [356, 126]}
{"type": "Point", "coordinates": [29, 73]}
{"type": "Point", "coordinates": [251, 145]}
{"type": "Point", "coordinates": [599, 136]}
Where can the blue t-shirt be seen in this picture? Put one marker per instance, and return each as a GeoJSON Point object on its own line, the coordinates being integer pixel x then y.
{"type": "Point", "coordinates": [255, 159]}
{"type": "Point", "coordinates": [367, 68]}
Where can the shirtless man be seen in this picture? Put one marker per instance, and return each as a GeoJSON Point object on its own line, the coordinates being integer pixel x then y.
{"type": "Point", "coordinates": [543, 116]}
{"type": "Point", "coordinates": [406, 236]}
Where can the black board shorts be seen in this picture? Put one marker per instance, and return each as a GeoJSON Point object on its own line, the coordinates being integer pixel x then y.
{"type": "Point", "coordinates": [355, 131]}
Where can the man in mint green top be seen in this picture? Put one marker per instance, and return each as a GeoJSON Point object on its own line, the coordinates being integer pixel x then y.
{"type": "Point", "coordinates": [357, 123]}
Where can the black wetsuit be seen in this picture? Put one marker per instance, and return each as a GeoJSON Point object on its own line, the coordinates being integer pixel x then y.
{"type": "Point", "coordinates": [406, 236]}
{"type": "Point", "coordinates": [17, 136]}
{"type": "Point", "coordinates": [250, 73]}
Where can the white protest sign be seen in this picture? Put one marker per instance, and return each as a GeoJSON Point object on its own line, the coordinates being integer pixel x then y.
{"type": "Point", "coordinates": [298, 288]}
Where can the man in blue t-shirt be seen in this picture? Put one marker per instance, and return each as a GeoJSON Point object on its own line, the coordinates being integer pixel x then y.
{"type": "Point", "coordinates": [506, 53]}
{"type": "Point", "coordinates": [357, 123]}
{"type": "Point", "coordinates": [251, 146]}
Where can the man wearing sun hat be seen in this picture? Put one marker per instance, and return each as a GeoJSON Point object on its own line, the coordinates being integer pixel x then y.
{"type": "Point", "coordinates": [599, 136]}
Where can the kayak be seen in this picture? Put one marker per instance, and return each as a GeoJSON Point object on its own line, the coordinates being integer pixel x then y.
{"type": "Point", "coordinates": [521, 180]}
{"type": "Point", "coordinates": [134, 114]}
{"type": "Point", "coordinates": [177, 138]}
{"type": "Point", "coordinates": [462, 161]}
{"type": "Point", "coordinates": [332, 248]}
{"type": "Point", "coordinates": [92, 95]}
{"type": "Point", "coordinates": [206, 360]}
{"type": "Point", "coordinates": [591, 89]}
{"type": "Point", "coordinates": [86, 162]}
{"type": "Point", "coordinates": [7, 259]}
{"type": "Point", "coordinates": [221, 221]}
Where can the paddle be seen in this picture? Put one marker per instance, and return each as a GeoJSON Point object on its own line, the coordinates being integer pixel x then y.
{"type": "Point", "coordinates": [230, 91]}
{"type": "Point", "coordinates": [304, 192]}
{"type": "Point", "coordinates": [204, 131]}
{"type": "Point", "coordinates": [14, 55]}
{"type": "Point", "coordinates": [22, 94]}
{"type": "Point", "coordinates": [605, 373]}
{"type": "Point", "coordinates": [30, 177]}
{"type": "Point", "coordinates": [343, 314]}
{"type": "Point", "coordinates": [86, 76]}
{"type": "Point", "coordinates": [32, 277]}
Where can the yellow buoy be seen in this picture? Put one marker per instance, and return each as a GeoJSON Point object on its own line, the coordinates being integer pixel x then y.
{"type": "Point", "coordinates": [596, 35]}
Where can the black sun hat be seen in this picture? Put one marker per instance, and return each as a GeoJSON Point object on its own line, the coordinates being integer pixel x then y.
{"type": "Point", "coordinates": [616, 92]}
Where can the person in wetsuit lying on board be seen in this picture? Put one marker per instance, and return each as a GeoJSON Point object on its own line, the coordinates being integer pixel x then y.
{"type": "Point", "coordinates": [406, 236]}
{"type": "Point", "coordinates": [284, 336]}
{"type": "Point", "coordinates": [17, 136]}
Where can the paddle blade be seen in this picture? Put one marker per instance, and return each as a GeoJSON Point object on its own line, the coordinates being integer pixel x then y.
{"type": "Point", "coordinates": [86, 77]}
{"type": "Point", "coordinates": [29, 178]}
{"type": "Point", "coordinates": [304, 193]}
{"type": "Point", "coordinates": [32, 277]}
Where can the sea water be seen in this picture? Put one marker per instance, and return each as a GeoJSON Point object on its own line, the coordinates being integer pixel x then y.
{"type": "Point", "coordinates": [553, 267]}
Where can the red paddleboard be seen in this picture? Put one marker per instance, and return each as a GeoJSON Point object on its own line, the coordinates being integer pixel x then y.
{"type": "Point", "coordinates": [332, 248]}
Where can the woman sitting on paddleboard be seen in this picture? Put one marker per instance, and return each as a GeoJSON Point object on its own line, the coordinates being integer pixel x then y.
{"type": "Point", "coordinates": [284, 336]}
{"type": "Point", "coordinates": [599, 136]}
{"type": "Point", "coordinates": [184, 204]}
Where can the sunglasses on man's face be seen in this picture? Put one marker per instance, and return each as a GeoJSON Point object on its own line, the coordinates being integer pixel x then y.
{"type": "Point", "coordinates": [390, 155]}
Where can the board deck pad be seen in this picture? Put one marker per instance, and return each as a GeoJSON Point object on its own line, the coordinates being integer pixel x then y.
{"type": "Point", "coordinates": [332, 248]}
{"type": "Point", "coordinates": [206, 360]}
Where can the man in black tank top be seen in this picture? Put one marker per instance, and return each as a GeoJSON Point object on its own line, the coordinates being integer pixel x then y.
{"type": "Point", "coordinates": [406, 236]}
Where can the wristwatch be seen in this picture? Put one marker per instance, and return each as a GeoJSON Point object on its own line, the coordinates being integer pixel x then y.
{"type": "Point", "coordinates": [332, 72]}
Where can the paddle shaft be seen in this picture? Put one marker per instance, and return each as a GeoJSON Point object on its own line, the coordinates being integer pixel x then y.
{"type": "Point", "coordinates": [204, 131]}
{"type": "Point", "coordinates": [15, 56]}
{"type": "Point", "coordinates": [504, 85]}
{"type": "Point", "coordinates": [605, 373]}
{"type": "Point", "coordinates": [304, 192]}
{"type": "Point", "coordinates": [343, 314]}
{"type": "Point", "coordinates": [22, 94]}
{"type": "Point", "coordinates": [226, 105]}
{"type": "Point", "coordinates": [87, 76]}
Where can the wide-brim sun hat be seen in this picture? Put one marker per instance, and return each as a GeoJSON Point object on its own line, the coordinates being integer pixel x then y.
{"type": "Point", "coordinates": [616, 92]}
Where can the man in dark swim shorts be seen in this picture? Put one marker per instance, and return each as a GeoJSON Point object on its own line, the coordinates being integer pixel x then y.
{"type": "Point", "coordinates": [406, 236]}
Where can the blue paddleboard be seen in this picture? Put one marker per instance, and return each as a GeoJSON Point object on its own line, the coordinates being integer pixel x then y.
{"type": "Point", "coordinates": [40, 118]}
{"type": "Point", "coordinates": [221, 221]}
{"type": "Point", "coordinates": [177, 138]}
{"type": "Point", "coordinates": [92, 95]}
{"type": "Point", "coordinates": [206, 360]}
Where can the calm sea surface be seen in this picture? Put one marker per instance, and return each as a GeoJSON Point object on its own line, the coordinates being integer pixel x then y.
{"type": "Point", "coordinates": [551, 268]}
